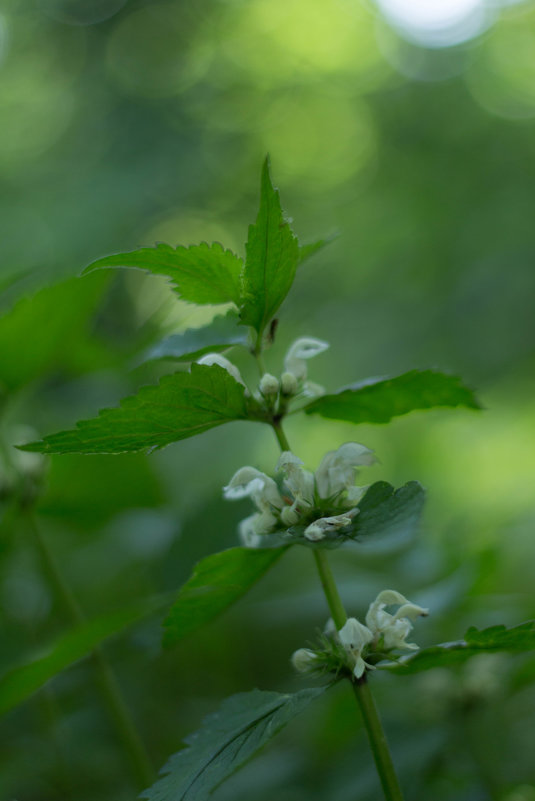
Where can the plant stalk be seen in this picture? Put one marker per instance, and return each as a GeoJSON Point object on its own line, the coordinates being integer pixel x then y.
{"type": "Point", "coordinates": [111, 692]}
{"type": "Point", "coordinates": [361, 688]}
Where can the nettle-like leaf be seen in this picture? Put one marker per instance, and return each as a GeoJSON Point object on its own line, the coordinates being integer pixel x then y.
{"type": "Point", "coordinates": [222, 333]}
{"type": "Point", "coordinates": [384, 511]}
{"type": "Point", "coordinates": [496, 638]}
{"type": "Point", "coordinates": [199, 273]}
{"type": "Point", "coordinates": [311, 248]}
{"type": "Point", "coordinates": [272, 255]}
{"type": "Point", "coordinates": [226, 740]}
{"type": "Point", "coordinates": [180, 406]}
{"type": "Point", "coordinates": [379, 400]}
{"type": "Point", "coordinates": [217, 582]}
{"type": "Point", "coordinates": [21, 682]}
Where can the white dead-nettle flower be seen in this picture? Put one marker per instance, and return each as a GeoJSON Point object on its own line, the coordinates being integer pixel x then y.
{"type": "Point", "coordinates": [215, 358]}
{"type": "Point", "coordinates": [354, 636]}
{"type": "Point", "coordinates": [269, 385]}
{"type": "Point", "coordinates": [319, 529]}
{"type": "Point", "coordinates": [304, 660]}
{"type": "Point", "coordinates": [330, 489]}
{"type": "Point", "coordinates": [295, 363]}
{"type": "Point", "coordinates": [395, 628]}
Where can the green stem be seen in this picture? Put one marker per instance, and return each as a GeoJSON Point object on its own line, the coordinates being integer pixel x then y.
{"type": "Point", "coordinates": [363, 693]}
{"type": "Point", "coordinates": [377, 739]}
{"type": "Point", "coordinates": [330, 589]}
{"type": "Point", "coordinates": [110, 689]}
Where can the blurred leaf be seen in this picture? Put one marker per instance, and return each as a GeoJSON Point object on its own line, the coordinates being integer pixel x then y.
{"type": "Point", "coordinates": [272, 257]}
{"type": "Point", "coordinates": [495, 638]}
{"type": "Point", "coordinates": [306, 251]}
{"type": "Point", "coordinates": [180, 406]}
{"type": "Point", "coordinates": [216, 583]}
{"type": "Point", "coordinates": [227, 739]}
{"type": "Point", "coordinates": [52, 330]}
{"type": "Point", "coordinates": [220, 334]}
{"type": "Point", "coordinates": [379, 400]}
{"type": "Point", "coordinates": [199, 273]}
{"type": "Point", "coordinates": [21, 682]}
{"type": "Point", "coordinates": [97, 490]}
{"type": "Point", "coordinates": [383, 511]}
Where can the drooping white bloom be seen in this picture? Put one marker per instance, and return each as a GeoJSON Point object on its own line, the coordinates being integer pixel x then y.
{"type": "Point", "coordinates": [252, 483]}
{"type": "Point", "coordinates": [299, 481]}
{"type": "Point", "coordinates": [302, 349]}
{"type": "Point", "coordinates": [269, 385]}
{"type": "Point", "coordinates": [303, 660]}
{"type": "Point", "coordinates": [216, 358]}
{"type": "Point", "coordinates": [354, 636]}
{"type": "Point", "coordinates": [394, 629]}
{"type": "Point", "coordinates": [325, 525]}
{"type": "Point", "coordinates": [337, 470]}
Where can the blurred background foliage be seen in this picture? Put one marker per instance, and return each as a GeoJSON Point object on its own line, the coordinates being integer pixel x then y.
{"type": "Point", "coordinates": [407, 126]}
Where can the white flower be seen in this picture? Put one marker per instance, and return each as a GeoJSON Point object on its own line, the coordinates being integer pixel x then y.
{"type": "Point", "coordinates": [337, 470]}
{"type": "Point", "coordinates": [269, 385]}
{"type": "Point", "coordinates": [299, 481]}
{"type": "Point", "coordinates": [394, 629]}
{"type": "Point", "coordinates": [216, 358]}
{"type": "Point", "coordinates": [301, 350]}
{"type": "Point", "coordinates": [252, 483]}
{"type": "Point", "coordinates": [325, 525]}
{"type": "Point", "coordinates": [354, 636]}
{"type": "Point", "coordinates": [303, 660]}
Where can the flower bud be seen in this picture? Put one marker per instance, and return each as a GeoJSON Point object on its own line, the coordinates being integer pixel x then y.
{"type": "Point", "coordinates": [289, 383]}
{"type": "Point", "coordinates": [269, 385]}
{"type": "Point", "coordinates": [303, 660]}
{"type": "Point", "coordinates": [289, 515]}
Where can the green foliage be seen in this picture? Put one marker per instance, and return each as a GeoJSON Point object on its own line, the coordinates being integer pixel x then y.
{"type": "Point", "coordinates": [50, 331]}
{"type": "Point", "coordinates": [496, 638]}
{"type": "Point", "coordinates": [182, 405]}
{"type": "Point", "coordinates": [216, 583]}
{"type": "Point", "coordinates": [220, 334]}
{"type": "Point", "coordinates": [379, 400]}
{"type": "Point", "coordinates": [21, 682]}
{"type": "Point", "coordinates": [384, 511]}
{"type": "Point", "coordinates": [199, 273]}
{"type": "Point", "coordinates": [310, 249]}
{"type": "Point", "coordinates": [227, 739]}
{"type": "Point", "coordinates": [272, 258]}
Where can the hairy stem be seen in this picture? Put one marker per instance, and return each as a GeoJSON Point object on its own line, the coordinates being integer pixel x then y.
{"type": "Point", "coordinates": [363, 693]}
{"type": "Point", "coordinates": [109, 687]}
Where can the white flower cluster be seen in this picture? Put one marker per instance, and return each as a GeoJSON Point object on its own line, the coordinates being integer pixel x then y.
{"type": "Point", "coordinates": [383, 632]}
{"type": "Point", "coordinates": [293, 380]}
{"type": "Point", "coordinates": [304, 495]}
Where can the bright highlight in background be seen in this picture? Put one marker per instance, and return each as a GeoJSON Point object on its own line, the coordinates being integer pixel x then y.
{"type": "Point", "coordinates": [437, 23]}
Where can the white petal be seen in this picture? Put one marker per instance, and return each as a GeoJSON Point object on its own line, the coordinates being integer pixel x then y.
{"type": "Point", "coordinates": [290, 515]}
{"type": "Point", "coordinates": [337, 470]}
{"type": "Point", "coordinates": [248, 535]}
{"type": "Point", "coordinates": [299, 481]}
{"type": "Point", "coordinates": [314, 533]}
{"type": "Point", "coordinates": [252, 483]}
{"type": "Point", "coordinates": [412, 611]}
{"type": "Point", "coordinates": [303, 660]}
{"type": "Point", "coordinates": [354, 635]}
{"type": "Point", "coordinates": [355, 494]}
{"type": "Point", "coordinates": [388, 597]}
{"type": "Point", "coordinates": [360, 667]}
{"type": "Point", "coordinates": [215, 358]}
{"type": "Point", "coordinates": [302, 349]}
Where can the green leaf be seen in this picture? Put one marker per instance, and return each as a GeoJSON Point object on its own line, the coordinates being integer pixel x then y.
{"type": "Point", "coordinates": [496, 638]}
{"type": "Point", "coordinates": [220, 334]}
{"type": "Point", "coordinates": [384, 511]}
{"type": "Point", "coordinates": [271, 261]}
{"type": "Point", "coordinates": [21, 682]}
{"type": "Point", "coordinates": [379, 400]}
{"type": "Point", "coordinates": [244, 723]}
{"type": "Point", "coordinates": [180, 406]}
{"type": "Point", "coordinates": [52, 330]}
{"type": "Point", "coordinates": [199, 273]}
{"type": "Point", "coordinates": [216, 583]}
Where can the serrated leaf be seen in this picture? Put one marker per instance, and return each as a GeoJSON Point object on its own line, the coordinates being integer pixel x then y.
{"type": "Point", "coordinates": [220, 334]}
{"type": "Point", "coordinates": [381, 399]}
{"type": "Point", "coordinates": [217, 582]}
{"type": "Point", "coordinates": [21, 682]}
{"type": "Point", "coordinates": [496, 638]}
{"type": "Point", "coordinates": [199, 273]}
{"type": "Point", "coordinates": [271, 261]}
{"type": "Point", "coordinates": [244, 723]}
{"type": "Point", "coordinates": [384, 511]}
{"type": "Point", "coordinates": [180, 406]}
